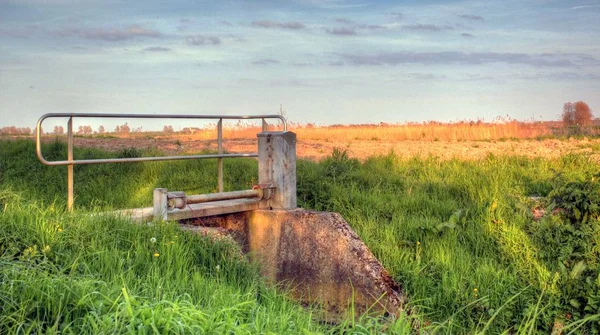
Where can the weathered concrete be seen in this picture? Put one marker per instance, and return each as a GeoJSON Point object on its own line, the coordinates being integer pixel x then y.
{"type": "Point", "coordinates": [318, 256]}
{"type": "Point", "coordinates": [277, 166]}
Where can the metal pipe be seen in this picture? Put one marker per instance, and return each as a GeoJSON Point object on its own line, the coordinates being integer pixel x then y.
{"type": "Point", "coordinates": [168, 116]}
{"type": "Point", "coordinates": [143, 159]}
{"type": "Point", "coordinates": [220, 152]}
{"type": "Point", "coordinates": [180, 200]}
{"type": "Point", "coordinates": [200, 198]}
{"type": "Point", "coordinates": [70, 172]}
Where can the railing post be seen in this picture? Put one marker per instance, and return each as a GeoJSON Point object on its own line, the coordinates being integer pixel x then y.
{"type": "Point", "coordinates": [159, 204]}
{"type": "Point", "coordinates": [70, 166]}
{"type": "Point", "coordinates": [265, 125]}
{"type": "Point", "coordinates": [220, 151]}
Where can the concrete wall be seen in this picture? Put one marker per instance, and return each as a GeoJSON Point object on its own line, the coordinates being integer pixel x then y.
{"type": "Point", "coordinates": [318, 257]}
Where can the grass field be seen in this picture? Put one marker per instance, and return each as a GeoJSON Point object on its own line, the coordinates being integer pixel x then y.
{"type": "Point", "coordinates": [460, 237]}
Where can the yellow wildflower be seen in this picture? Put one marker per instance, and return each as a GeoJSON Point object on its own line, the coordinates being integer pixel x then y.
{"type": "Point", "coordinates": [156, 254]}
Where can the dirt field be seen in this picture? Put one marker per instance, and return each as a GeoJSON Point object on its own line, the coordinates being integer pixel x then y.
{"type": "Point", "coordinates": [318, 149]}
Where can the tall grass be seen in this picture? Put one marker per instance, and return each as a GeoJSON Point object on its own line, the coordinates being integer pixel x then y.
{"type": "Point", "coordinates": [501, 129]}
{"type": "Point", "coordinates": [62, 273]}
{"type": "Point", "coordinates": [458, 235]}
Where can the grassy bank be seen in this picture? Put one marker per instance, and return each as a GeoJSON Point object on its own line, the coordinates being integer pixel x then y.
{"type": "Point", "coordinates": [459, 236]}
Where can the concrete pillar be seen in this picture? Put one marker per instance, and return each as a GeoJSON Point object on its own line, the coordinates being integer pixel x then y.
{"type": "Point", "coordinates": [277, 166]}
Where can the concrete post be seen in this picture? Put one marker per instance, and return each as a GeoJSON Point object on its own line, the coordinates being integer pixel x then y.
{"type": "Point", "coordinates": [160, 204]}
{"type": "Point", "coordinates": [277, 166]}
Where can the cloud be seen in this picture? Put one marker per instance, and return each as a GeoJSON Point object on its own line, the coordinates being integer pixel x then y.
{"type": "Point", "coordinates": [471, 17]}
{"type": "Point", "coordinates": [226, 23]}
{"type": "Point", "coordinates": [109, 35]}
{"type": "Point", "coordinates": [265, 61]}
{"type": "Point", "coordinates": [585, 6]}
{"type": "Point", "coordinates": [157, 49]}
{"type": "Point", "coordinates": [203, 40]}
{"type": "Point", "coordinates": [424, 76]}
{"type": "Point", "coordinates": [344, 21]}
{"type": "Point", "coordinates": [24, 32]}
{"type": "Point", "coordinates": [350, 27]}
{"type": "Point", "coordinates": [342, 31]}
{"type": "Point", "coordinates": [456, 57]}
{"type": "Point", "coordinates": [427, 27]}
{"type": "Point", "coordinates": [571, 76]}
{"type": "Point", "coordinates": [467, 35]}
{"type": "Point", "coordinates": [184, 24]}
{"type": "Point", "coordinates": [293, 25]}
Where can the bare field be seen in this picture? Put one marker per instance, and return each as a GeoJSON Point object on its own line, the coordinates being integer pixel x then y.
{"type": "Point", "coordinates": [315, 149]}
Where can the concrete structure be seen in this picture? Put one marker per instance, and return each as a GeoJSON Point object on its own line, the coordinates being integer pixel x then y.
{"type": "Point", "coordinates": [317, 256]}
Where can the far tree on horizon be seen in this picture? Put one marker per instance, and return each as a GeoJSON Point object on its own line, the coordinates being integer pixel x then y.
{"type": "Point", "coordinates": [168, 129]}
{"type": "Point", "coordinates": [577, 114]}
{"type": "Point", "coordinates": [59, 130]}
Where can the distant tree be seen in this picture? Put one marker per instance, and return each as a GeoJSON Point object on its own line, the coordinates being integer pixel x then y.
{"type": "Point", "coordinates": [583, 114]}
{"type": "Point", "coordinates": [124, 129]}
{"type": "Point", "coordinates": [84, 130]}
{"type": "Point", "coordinates": [568, 114]}
{"type": "Point", "coordinates": [101, 130]}
{"type": "Point", "coordinates": [168, 129]}
{"type": "Point", "coordinates": [577, 114]}
{"type": "Point", "coordinates": [59, 130]}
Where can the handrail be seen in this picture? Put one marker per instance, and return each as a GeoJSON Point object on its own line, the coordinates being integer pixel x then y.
{"type": "Point", "coordinates": [70, 162]}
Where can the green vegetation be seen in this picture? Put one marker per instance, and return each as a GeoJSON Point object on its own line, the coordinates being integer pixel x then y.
{"type": "Point", "coordinates": [458, 235]}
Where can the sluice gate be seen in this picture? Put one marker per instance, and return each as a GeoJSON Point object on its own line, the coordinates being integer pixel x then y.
{"type": "Point", "coordinates": [315, 254]}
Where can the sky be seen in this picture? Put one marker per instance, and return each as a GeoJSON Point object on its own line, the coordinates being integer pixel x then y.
{"type": "Point", "coordinates": [324, 61]}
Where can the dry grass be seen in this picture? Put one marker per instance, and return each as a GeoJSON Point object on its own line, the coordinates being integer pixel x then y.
{"type": "Point", "coordinates": [430, 131]}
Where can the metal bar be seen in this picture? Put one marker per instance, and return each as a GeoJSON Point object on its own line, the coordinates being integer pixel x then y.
{"type": "Point", "coordinates": [144, 159]}
{"type": "Point", "coordinates": [200, 198]}
{"type": "Point", "coordinates": [168, 116]}
{"type": "Point", "coordinates": [70, 191]}
{"type": "Point", "coordinates": [220, 152]}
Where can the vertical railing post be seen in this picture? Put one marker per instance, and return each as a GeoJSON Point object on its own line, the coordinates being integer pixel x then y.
{"type": "Point", "coordinates": [265, 125]}
{"type": "Point", "coordinates": [220, 151]}
{"type": "Point", "coordinates": [70, 166]}
{"type": "Point", "coordinates": [159, 204]}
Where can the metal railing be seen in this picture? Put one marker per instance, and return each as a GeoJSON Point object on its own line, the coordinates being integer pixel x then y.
{"type": "Point", "coordinates": [70, 162]}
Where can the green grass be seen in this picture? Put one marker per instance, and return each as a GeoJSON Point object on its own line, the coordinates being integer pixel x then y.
{"type": "Point", "coordinates": [458, 235]}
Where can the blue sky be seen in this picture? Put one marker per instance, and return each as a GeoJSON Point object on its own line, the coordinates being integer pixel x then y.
{"type": "Point", "coordinates": [325, 61]}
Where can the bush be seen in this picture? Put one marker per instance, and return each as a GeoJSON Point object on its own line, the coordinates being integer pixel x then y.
{"type": "Point", "coordinates": [568, 241]}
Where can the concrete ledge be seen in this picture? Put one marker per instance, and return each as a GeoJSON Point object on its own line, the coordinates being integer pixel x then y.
{"type": "Point", "coordinates": [194, 210]}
